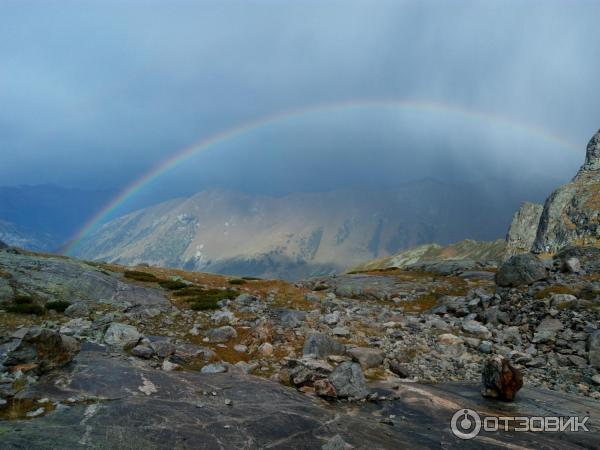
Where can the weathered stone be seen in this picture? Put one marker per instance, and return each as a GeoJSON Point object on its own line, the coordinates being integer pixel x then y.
{"type": "Point", "coordinates": [367, 357]}
{"type": "Point", "coordinates": [266, 349]}
{"type": "Point", "coordinates": [221, 334]}
{"type": "Point", "coordinates": [122, 335]}
{"type": "Point", "coordinates": [142, 351]}
{"type": "Point", "coordinates": [217, 367]}
{"type": "Point", "coordinates": [78, 309]}
{"type": "Point", "coordinates": [324, 388]}
{"type": "Point", "coordinates": [593, 347]}
{"type": "Point", "coordinates": [46, 349]}
{"type": "Point", "coordinates": [571, 265]}
{"type": "Point", "coordinates": [563, 300]}
{"type": "Point", "coordinates": [500, 379]}
{"type": "Point", "coordinates": [520, 270]}
{"type": "Point", "coordinates": [321, 345]}
{"type": "Point", "coordinates": [349, 381]}
{"type": "Point", "coordinates": [523, 228]}
{"type": "Point", "coordinates": [476, 328]}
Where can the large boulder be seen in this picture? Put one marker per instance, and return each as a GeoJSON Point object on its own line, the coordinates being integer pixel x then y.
{"type": "Point", "coordinates": [46, 349]}
{"type": "Point", "coordinates": [521, 270]}
{"type": "Point", "coordinates": [572, 212]}
{"type": "Point", "coordinates": [319, 345]}
{"type": "Point", "coordinates": [122, 335]}
{"type": "Point", "coordinates": [349, 381]}
{"type": "Point", "coordinates": [500, 379]}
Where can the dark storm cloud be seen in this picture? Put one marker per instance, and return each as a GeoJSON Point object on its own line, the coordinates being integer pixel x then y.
{"type": "Point", "coordinates": [92, 94]}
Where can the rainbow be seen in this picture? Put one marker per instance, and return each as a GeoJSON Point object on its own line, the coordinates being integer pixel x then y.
{"type": "Point", "coordinates": [206, 143]}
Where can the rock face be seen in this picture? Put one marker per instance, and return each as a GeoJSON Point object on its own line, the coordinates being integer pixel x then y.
{"type": "Point", "coordinates": [523, 228]}
{"type": "Point", "coordinates": [520, 270]}
{"type": "Point", "coordinates": [500, 379]}
{"type": "Point", "coordinates": [46, 349]}
{"type": "Point", "coordinates": [571, 214]}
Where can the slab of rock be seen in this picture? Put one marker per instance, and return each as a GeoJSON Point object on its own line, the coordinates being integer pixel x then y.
{"type": "Point", "coordinates": [499, 379]}
{"type": "Point", "coordinates": [521, 270]}
{"type": "Point", "coordinates": [122, 335]}
{"type": "Point", "coordinates": [320, 345]}
{"type": "Point", "coordinates": [349, 381]}
{"type": "Point", "coordinates": [367, 357]}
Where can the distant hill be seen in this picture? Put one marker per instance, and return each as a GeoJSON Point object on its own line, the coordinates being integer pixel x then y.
{"type": "Point", "coordinates": [300, 234]}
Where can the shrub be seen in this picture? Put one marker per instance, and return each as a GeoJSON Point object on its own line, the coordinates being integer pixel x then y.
{"type": "Point", "coordinates": [23, 299]}
{"type": "Point", "coordinates": [203, 299]}
{"type": "Point", "coordinates": [26, 308]}
{"type": "Point", "coordinates": [251, 278]}
{"type": "Point", "coordinates": [58, 306]}
{"type": "Point", "coordinates": [172, 284]}
{"type": "Point", "coordinates": [140, 276]}
{"type": "Point", "coordinates": [237, 281]}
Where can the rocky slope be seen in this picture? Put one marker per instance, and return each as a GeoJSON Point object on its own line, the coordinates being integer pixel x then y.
{"type": "Point", "coordinates": [298, 235]}
{"type": "Point", "coordinates": [205, 361]}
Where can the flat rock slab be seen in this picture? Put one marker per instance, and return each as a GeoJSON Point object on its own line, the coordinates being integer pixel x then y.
{"type": "Point", "coordinates": [60, 278]}
{"type": "Point", "coordinates": [117, 402]}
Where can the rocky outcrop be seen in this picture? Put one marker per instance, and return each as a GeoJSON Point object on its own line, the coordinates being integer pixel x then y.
{"type": "Point", "coordinates": [571, 214]}
{"type": "Point", "coordinates": [523, 228]}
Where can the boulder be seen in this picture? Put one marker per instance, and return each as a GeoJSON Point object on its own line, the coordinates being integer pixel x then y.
{"type": "Point", "coordinates": [349, 381]}
{"type": "Point", "coordinates": [142, 351]}
{"type": "Point", "coordinates": [520, 270]}
{"type": "Point", "coordinates": [321, 345]}
{"type": "Point", "coordinates": [78, 309]}
{"type": "Point", "coordinates": [500, 379]}
{"type": "Point", "coordinates": [367, 357]}
{"type": "Point", "coordinates": [217, 367]}
{"type": "Point", "coordinates": [121, 335]}
{"type": "Point", "coordinates": [45, 348]}
{"type": "Point", "coordinates": [593, 346]}
{"type": "Point", "coordinates": [476, 328]}
{"type": "Point", "coordinates": [221, 334]}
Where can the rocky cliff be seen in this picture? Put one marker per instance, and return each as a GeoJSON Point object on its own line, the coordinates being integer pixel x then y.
{"type": "Point", "coordinates": [523, 228]}
{"type": "Point", "coordinates": [571, 214]}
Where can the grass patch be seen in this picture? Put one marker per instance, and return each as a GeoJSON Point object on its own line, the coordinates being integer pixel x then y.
{"type": "Point", "coordinates": [26, 308]}
{"type": "Point", "coordinates": [558, 289]}
{"type": "Point", "coordinates": [58, 305]}
{"type": "Point", "coordinates": [140, 276]}
{"type": "Point", "coordinates": [237, 281]}
{"type": "Point", "coordinates": [172, 285]}
{"type": "Point", "coordinates": [204, 299]}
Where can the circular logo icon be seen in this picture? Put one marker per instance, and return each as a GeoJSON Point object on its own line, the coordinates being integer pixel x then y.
{"type": "Point", "coordinates": [465, 424]}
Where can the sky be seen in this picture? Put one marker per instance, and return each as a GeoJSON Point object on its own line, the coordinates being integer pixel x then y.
{"type": "Point", "coordinates": [93, 94]}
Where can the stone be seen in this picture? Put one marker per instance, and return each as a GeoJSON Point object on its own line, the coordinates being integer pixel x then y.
{"type": "Point", "coordinates": [224, 317]}
{"type": "Point", "coordinates": [571, 265]}
{"type": "Point", "coordinates": [240, 348]}
{"type": "Point", "coordinates": [336, 443]}
{"type": "Point", "coordinates": [44, 348]}
{"type": "Point", "coordinates": [520, 270]}
{"type": "Point", "coordinates": [186, 352]}
{"type": "Point", "coordinates": [121, 335]}
{"type": "Point", "coordinates": [500, 379]}
{"type": "Point", "coordinates": [169, 366]}
{"type": "Point", "coordinates": [349, 381]}
{"type": "Point", "coordinates": [485, 347]}
{"type": "Point", "coordinates": [142, 351]}
{"type": "Point", "coordinates": [546, 331]}
{"type": "Point", "coordinates": [76, 327]}
{"type": "Point", "coordinates": [562, 300]}
{"type": "Point", "coordinates": [325, 388]}
{"type": "Point", "coordinates": [163, 347]}
{"type": "Point", "coordinates": [78, 309]}
{"type": "Point", "coordinates": [331, 319]}
{"type": "Point", "coordinates": [321, 345]}
{"type": "Point", "coordinates": [399, 369]}
{"type": "Point", "coordinates": [449, 339]}
{"type": "Point", "coordinates": [217, 367]}
{"type": "Point", "coordinates": [341, 332]}
{"type": "Point", "coordinates": [593, 347]}
{"type": "Point", "coordinates": [246, 299]}
{"type": "Point", "coordinates": [367, 357]}
{"type": "Point", "coordinates": [476, 328]}
{"type": "Point", "coordinates": [221, 334]}
{"type": "Point", "coordinates": [266, 349]}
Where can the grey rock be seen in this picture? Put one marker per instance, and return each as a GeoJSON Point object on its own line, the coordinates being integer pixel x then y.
{"type": "Point", "coordinates": [485, 347]}
{"type": "Point", "coordinates": [321, 345]}
{"type": "Point", "coordinates": [78, 309]}
{"type": "Point", "coordinates": [571, 265]}
{"type": "Point", "coordinates": [349, 381]}
{"type": "Point", "coordinates": [336, 443]}
{"type": "Point", "coordinates": [142, 351]}
{"type": "Point", "coordinates": [476, 328]}
{"type": "Point", "coordinates": [217, 367]}
{"type": "Point", "coordinates": [122, 335]}
{"type": "Point", "coordinates": [523, 228]}
{"type": "Point", "coordinates": [520, 270]}
{"type": "Point", "coordinates": [291, 318]}
{"type": "Point", "coordinates": [162, 346]}
{"type": "Point", "coordinates": [221, 334]}
{"type": "Point", "coordinates": [367, 357]}
{"type": "Point", "coordinates": [593, 347]}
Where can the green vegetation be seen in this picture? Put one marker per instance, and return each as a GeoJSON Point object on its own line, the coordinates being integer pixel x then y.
{"type": "Point", "coordinates": [202, 299]}
{"type": "Point", "coordinates": [26, 308]}
{"type": "Point", "coordinates": [172, 285]}
{"type": "Point", "coordinates": [140, 276]}
{"type": "Point", "coordinates": [251, 278]}
{"type": "Point", "coordinates": [237, 281]}
{"type": "Point", "coordinates": [58, 305]}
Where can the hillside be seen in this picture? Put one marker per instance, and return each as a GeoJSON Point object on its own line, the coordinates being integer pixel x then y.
{"type": "Point", "coordinates": [300, 234]}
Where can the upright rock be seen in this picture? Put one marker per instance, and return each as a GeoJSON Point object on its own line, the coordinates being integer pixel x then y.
{"type": "Point", "coordinates": [500, 379]}
{"type": "Point", "coordinates": [523, 228]}
{"type": "Point", "coordinates": [571, 214]}
{"type": "Point", "coordinates": [349, 381]}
